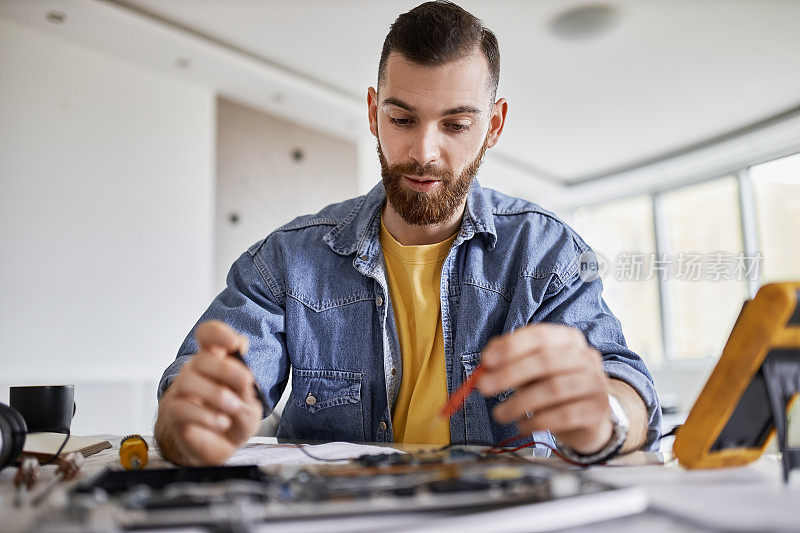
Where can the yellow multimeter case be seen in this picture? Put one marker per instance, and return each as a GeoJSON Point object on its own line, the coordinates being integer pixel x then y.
{"type": "Point", "coordinates": [757, 378]}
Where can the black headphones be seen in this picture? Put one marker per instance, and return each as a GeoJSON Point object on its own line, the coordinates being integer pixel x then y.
{"type": "Point", "coordinates": [12, 435]}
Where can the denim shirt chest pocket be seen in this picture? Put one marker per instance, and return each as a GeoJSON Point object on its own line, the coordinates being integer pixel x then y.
{"type": "Point", "coordinates": [325, 405]}
{"type": "Point", "coordinates": [329, 317]}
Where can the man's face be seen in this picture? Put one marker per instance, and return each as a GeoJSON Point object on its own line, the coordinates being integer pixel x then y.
{"type": "Point", "coordinates": [431, 124]}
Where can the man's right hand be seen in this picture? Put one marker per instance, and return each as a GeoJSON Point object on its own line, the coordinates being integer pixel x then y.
{"type": "Point", "coordinates": [210, 409]}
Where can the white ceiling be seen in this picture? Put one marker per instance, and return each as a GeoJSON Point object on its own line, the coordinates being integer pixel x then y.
{"type": "Point", "coordinates": [669, 74]}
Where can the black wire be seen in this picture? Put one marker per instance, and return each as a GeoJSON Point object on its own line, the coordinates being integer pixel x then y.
{"type": "Point", "coordinates": [59, 450]}
{"type": "Point", "coordinates": [673, 431]}
{"type": "Point", "coordinates": [263, 399]}
{"type": "Point", "coordinates": [281, 423]}
{"type": "Point", "coordinates": [301, 447]}
{"type": "Point", "coordinates": [466, 443]}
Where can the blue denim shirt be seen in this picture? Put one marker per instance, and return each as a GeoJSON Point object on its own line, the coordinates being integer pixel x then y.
{"type": "Point", "coordinates": [313, 296]}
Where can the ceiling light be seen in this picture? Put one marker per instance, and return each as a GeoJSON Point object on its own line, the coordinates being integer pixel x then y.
{"type": "Point", "coordinates": [585, 22]}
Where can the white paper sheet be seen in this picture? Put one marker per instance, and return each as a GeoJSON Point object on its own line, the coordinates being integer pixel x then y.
{"type": "Point", "coordinates": [269, 454]}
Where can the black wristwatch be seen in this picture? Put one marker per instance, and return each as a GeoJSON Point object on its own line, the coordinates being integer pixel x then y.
{"type": "Point", "coordinates": [620, 426]}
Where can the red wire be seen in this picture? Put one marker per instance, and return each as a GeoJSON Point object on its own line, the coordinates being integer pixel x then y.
{"type": "Point", "coordinates": [506, 442]}
{"type": "Point", "coordinates": [456, 401]}
{"type": "Point", "coordinates": [499, 448]}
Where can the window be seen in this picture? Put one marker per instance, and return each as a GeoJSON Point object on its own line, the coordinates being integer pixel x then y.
{"type": "Point", "coordinates": [621, 232]}
{"type": "Point", "coordinates": [776, 187]}
{"type": "Point", "coordinates": [701, 250]}
{"type": "Point", "coordinates": [704, 265]}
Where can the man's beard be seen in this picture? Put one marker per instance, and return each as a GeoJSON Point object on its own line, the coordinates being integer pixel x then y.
{"type": "Point", "coordinates": [424, 208]}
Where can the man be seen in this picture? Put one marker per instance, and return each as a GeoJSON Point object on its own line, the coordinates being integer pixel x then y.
{"type": "Point", "coordinates": [384, 304]}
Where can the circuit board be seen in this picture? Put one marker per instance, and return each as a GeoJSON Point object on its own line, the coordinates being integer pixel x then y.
{"type": "Point", "coordinates": [392, 482]}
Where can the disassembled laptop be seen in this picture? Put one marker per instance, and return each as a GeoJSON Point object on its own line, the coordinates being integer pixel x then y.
{"type": "Point", "coordinates": [239, 497]}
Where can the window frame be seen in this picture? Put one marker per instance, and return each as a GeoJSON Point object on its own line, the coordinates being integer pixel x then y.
{"type": "Point", "coordinates": [751, 246]}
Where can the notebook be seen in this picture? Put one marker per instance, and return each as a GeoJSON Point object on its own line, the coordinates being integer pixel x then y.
{"type": "Point", "coordinates": [44, 445]}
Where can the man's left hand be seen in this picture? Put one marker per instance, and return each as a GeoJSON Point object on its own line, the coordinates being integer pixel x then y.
{"type": "Point", "coordinates": [559, 381]}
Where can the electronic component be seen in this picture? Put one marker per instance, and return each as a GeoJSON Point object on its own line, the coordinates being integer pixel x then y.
{"type": "Point", "coordinates": [27, 475]}
{"type": "Point", "coordinates": [68, 468]}
{"type": "Point", "coordinates": [451, 478]}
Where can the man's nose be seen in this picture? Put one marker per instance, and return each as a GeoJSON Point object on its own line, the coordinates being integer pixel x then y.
{"type": "Point", "coordinates": [425, 148]}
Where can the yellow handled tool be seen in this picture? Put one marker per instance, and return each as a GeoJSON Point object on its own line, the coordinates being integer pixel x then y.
{"type": "Point", "coordinates": [133, 452]}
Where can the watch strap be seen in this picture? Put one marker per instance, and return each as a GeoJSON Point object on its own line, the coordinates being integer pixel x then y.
{"type": "Point", "coordinates": [619, 434]}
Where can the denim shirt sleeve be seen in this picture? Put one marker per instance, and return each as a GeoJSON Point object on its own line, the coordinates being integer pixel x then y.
{"type": "Point", "coordinates": [248, 305]}
{"type": "Point", "coordinates": [579, 303]}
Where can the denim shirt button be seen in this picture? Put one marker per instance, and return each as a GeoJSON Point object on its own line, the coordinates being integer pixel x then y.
{"type": "Point", "coordinates": [379, 300]}
{"type": "Point", "coordinates": [364, 257]}
{"type": "Point", "coordinates": [382, 425]}
{"type": "Point", "coordinates": [310, 399]}
{"type": "Point", "coordinates": [394, 371]}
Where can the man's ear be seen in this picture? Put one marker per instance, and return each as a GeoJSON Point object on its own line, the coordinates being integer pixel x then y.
{"type": "Point", "coordinates": [496, 122]}
{"type": "Point", "coordinates": [372, 106]}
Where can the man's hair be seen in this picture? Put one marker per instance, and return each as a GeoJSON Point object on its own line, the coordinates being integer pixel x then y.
{"type": "Point", "coordinates": [435, 33]}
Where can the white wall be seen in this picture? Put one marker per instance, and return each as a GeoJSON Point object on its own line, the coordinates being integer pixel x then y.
{"type": "Point", "coordinates": [259, 180]}
{"type": "Point", "coordinates": [106, 223]}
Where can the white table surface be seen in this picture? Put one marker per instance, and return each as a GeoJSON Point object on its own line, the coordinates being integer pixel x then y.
{"type": "Point", "coordinates": [750, 498]}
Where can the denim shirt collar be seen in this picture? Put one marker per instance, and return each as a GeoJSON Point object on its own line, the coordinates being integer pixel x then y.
{"type": "Point", "coordinates": [359, 229]}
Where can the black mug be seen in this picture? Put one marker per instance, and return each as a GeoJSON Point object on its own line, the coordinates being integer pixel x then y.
{"type": "Point", "coordinates": [45, 407]}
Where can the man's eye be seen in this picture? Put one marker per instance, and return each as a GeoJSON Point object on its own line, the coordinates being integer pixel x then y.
{"type": "Point", "coordinates": [399, 121]}
{"type": "Point", "coordinates": [458, 128]}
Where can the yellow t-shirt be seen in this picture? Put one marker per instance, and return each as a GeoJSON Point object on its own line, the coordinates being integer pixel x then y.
{"type": "Point", "coordinates": [414, 274]}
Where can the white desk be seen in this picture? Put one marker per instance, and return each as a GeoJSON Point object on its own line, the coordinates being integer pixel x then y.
{"type": "Point", "coordinates": [751, 498]}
